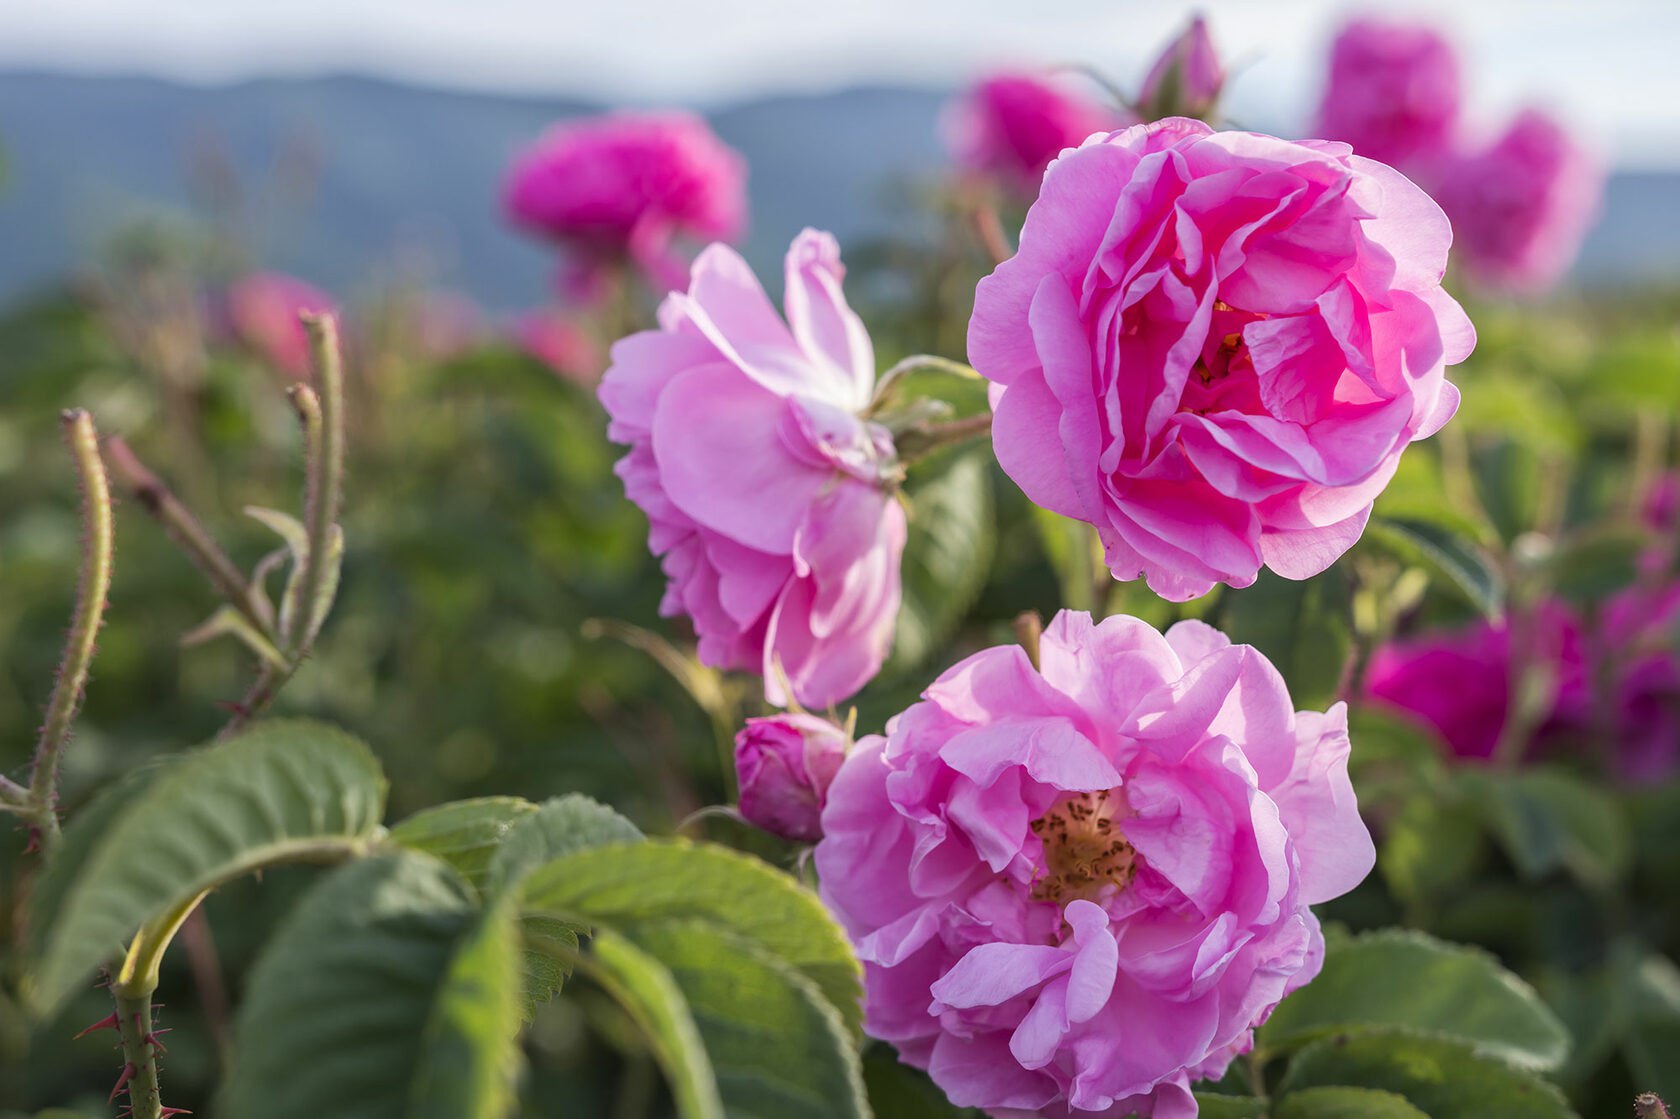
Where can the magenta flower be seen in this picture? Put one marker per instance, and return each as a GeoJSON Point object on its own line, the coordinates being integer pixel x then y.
{"type": "Point", "coordinates": [1077, 889]}
{"type": "Point", "coordinates": [784, 765]}
{"type": "Point", "coordinates": [1187, 79]}
{"type": "Point", "coordinates": [622, 187]}
{"type": "Point", "coordinates": [1215, 346]}
{"type": "Point", "coordinates": [261, 312]}
{"type": "Point", "coordinates": [1639, 637]}
{"type": "Point", "coordinates": [1523, 205]}
{"type": "Point", "coordinates": [1459, 683]}
{"type": "Point", "coordinates": [1393, 92]}
{"type": "Point", "coordinates": [1010, 126]}
{"type": "Point", "coordinates": [769, 498]}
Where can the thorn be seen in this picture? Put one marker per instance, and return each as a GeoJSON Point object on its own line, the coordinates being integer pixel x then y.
{"type": "Point", "coordinates": [108, 1023]}
{"type": "Point", "coordinates": [231, 706]}
{"type": "Point", "coordinates": [165, 1113]}
{"type": "Point", "coordinates": [34, 845]}
{"type": "Point", "coordinates": [122, 1081]}
{"type": "Point", "coordinates": [152, 1040]}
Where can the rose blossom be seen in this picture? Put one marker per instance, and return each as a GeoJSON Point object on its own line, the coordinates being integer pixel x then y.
{"type": "Point", "coordinates": [559, 343]}
{"type": "Point", "coordinates": [1010, 126]}
{"type": "Point", "coordinates": [1459, 683]}
{"type": "Point", "coordinates": [1078, 888]}
{"type": "Point", "coordinates": [1187, 79]}
{"type": "Point", "coordinates": [784, 765]}
{"type": "Point", "coordinates": [1214, 346]}
{"type": "Point", "coordinates": [1393, 92]}
{"type": "Point", "coordinates": [261, 311]}
{"type": "Point", "coordinates": [770, 500]}
{"type": "Point", "coordinates": [1523, 205]}
{"type": "Point", "coordinates": [1639, 637]}
{"type": "Point", "coordinates": [624, 185]}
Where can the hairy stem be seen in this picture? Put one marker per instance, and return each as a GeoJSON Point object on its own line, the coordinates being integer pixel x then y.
{"type": "Point", "coordinates": [189, 534]}
{"type": "Point", "coordinates": [921, 442]}
{"type": "Point", "coordinates": [323, 422]}
{"type": "Point", "coordinates": [95, 583]}
{"type": "Point", "coordinates": [886, 382]}
{"type": "Point", "coordinates": [140, 1046]}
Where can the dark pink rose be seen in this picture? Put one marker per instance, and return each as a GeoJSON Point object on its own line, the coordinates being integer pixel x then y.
{"type": "Point", "coordinates": [1459, 683]}
{"type": "Point", "coordinates": [1522, 206]}
{"type": "Point", "coordinates": [784, 765]}
{"type": "Point", "coordinates": [1010, 126]}
{"type": "Point", "coordinates": [1393, 92]}
{"type": "Point", "coordinates": [1214, 346]}
{"type": "Point", "coordinates": [623, 186]}
{"type": "Point", "coordinates": [1186, 80]}
{"type": "Point", "coordinates": [1639, 634]}
{"type": "Point", "coordinates": [262, 312]}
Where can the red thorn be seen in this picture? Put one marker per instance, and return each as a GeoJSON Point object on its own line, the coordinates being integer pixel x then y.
{"type": "Point", "coordinates": [152, 1040]}
{"type": "Point", "coordinates": [168, 1111]}
{"type": "Point", "coordinates": [232, 706]}
{"type": "Point", "coordinates": [109, 1023]}
{"type": "Point", "coordinates": [34, 841]}
{"type": "Point", "coordinates": [127, 1075]}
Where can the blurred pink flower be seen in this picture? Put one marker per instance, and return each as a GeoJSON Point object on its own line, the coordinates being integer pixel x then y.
{"type": "Point", "coordinates": [1393, 92]}
{"type": "Point", "coordinates": [1186, 80]}
{"type": "Point", "coordinates": [560, 343]}
{"type": "Point", "coordinates": [1215, 346]}
{"type": "Point", "coordinates": [1010, 126]}
{"type": "Point", "coordinates": [784, 765]}
{"type": "Point", "coordinates": [261, 312]}
{"type": "Point", "coordinates": [623, 186]}
{"type": "Point", "coordinates": [769, 498]}
{"type": "Point", "coordinates": [1639, 641]}
{"type": "Point", "coordinates": [1076, 889]}
{"type": "Point", "coordinates": [445, 324]}
{"type": "Point", "coordinates": [1522, 206]}
{"type": "Point", "coordinates": [1459, 683]}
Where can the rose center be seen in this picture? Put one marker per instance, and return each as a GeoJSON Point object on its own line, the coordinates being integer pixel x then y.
{"type": "Point", "coordinates": [1223, 377]}
{"type": "Point", "coordinates": [1085, 852]}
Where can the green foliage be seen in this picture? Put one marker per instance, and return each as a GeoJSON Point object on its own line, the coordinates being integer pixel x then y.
{"type": "Point", "coordinates": [947, 553]}
{"type": "Point", "coordinates": [561, 826]}
{"type": "Point", "coordinates": [1345, 1103]}
{"type": "Point", "coordinates": [1548, 820]}
{"type": "Point", "coordinates": [1410, 981]}
{"type": "Point", "coordinates": [897, 1091]}
{"type": "Point", "coordinates": [279, 792]}
{"type": "Point", "coordinates": [1212, 1106]}
{"type": "Point", "coordinates": [386, 992]}
{"type": "Point", "coordinates": [1438, 1077]}
{"type": "Point", "coordinates": [464, 833]}
{"type": "Point", "coordinates": [649, 993]}
{"type": "Point", "coordinates": [1450, 557]}
{"type": "Point", "coordinates": [1303, 628]}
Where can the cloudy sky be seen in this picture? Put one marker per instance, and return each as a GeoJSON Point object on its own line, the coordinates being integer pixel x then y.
{"type": "Point", "coordinates": [1609, 65]}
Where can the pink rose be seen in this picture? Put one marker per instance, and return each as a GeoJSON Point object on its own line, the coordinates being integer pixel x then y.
{"type": "Point", "coordinates": [784, 765]}
{"type": "Point", "coordinates": [559, 343]}
{"type": "Point", "coordinates": [1393, 92]}
{"type": "Point", "coordinates": [261, 311]}
{"type": "Point", "coordinates": [1010, 126]}
{"type": "Point", "coordinates": [1639, 638]}
{"type": "Point", "coordinates": [1187, 79]}
{"type": "Point", "coordinates": [769, 497]}
{"type": "Point", "coordinates": [623, 186]}
{"type": "Point", "coordinates": [1076, 889]}
{"type": "Point", "coordinates": [1214, 346]}
{"type": "Point", "coordinates": [1523, 205]}
{"type": "Point", "coordinates": [1459, 683]}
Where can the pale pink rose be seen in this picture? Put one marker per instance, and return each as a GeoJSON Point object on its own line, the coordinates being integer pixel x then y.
{"type": "Point", "coordinates": [557, 341]}
{"type": "Point", "coordinates": [770, 499]}
{"type": "Point", "coordinates": [1187, 79]}
{"type": "Point", "coordinates": [1076, 889]}
{"type": "Point", "coordinates": [1010, 126]}
{"type": "Point", "coordinates": [1214, 346]}
{"type": "Point", "coordinates": [1522, 206]}
{"type": "Point", "coordinates": [1393, 92]}
{"type": "Point", "coordinates": [261, 311]}
{"type": "Point", "coordinates": [784, 765]}
{"type": "Point", "coordinates": [622, 187]}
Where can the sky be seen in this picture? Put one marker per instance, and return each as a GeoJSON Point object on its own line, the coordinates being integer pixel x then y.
{"type": "Point", "coordinates": [1607, 66]}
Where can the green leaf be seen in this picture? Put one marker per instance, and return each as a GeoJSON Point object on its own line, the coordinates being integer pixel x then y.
{"type": "Point", "coordinates": [385, 994]}
{"type": "Point", "coordinates": [1441, 1078]}
{"type": "Point", "coordinates": [465, 834]}
{"type": "Point", "coordinates": [1345, 1103]}
{"type": "Point", "coordinates": [1548, 820]}
{"type": "Point", "coordinates": [547, 943]}
{"type": "Point", "coordinates": [558, 827]}
{"type": "Point", "coordinates": [1212, 1105]}
{"type": "Point", "coordinates": [1448, 556]}
{"type": "Point", "coordinates": [1653, 1036]}
{"type": "Point", "coordinates": [947, 553]}
{"type": "Point", "coordinates": [627, 887]}
{"type": "Point", "coordinates": [282, 791]}
{"type": "Point", "coordinates": [1408, 980]}
{"type": "Point", "coordinates": [650, 995]}
{"type": "Point", "coordinates": [897, 1091]}
{"type": "Point", "coordinates": [776, 1045]}
{"type": "Point", "coordinates": [1304, 628]}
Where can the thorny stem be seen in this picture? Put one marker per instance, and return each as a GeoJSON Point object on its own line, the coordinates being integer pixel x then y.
{"type": "Point", "coordinates": [42, 802]}
{"type": "Point", "coordinates": [189, 535]}
{"type": "Point", "coordinates": [1649, 1105]}
{"type": "Point", "coordinates": [139, 1045]}
{"type": "Point", "coordinates": [921, 442]}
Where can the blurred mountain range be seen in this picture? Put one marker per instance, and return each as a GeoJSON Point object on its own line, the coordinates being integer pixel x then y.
{"type": "Point", "coordinates": [350, 181]}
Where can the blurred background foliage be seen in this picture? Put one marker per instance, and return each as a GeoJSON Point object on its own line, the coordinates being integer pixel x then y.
{"type": "Point", "coordinates": [485, 530]}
